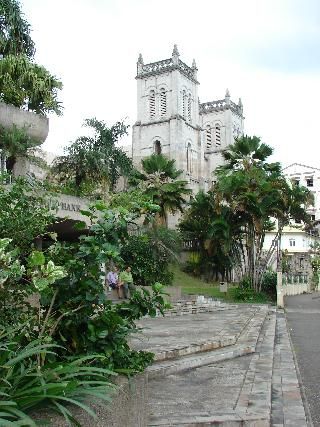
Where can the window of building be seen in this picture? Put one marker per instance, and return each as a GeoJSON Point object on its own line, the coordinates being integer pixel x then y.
{"type": "Point", "coordinates": [157, 147]}
{"type": "Point", "coordinates": [152, 104]}
{"type": "Point", "coordinates": [184, 104]}
{"type": "Point", "coordinates": [309, 182]}
{"type": "Point", "coordinates": [312, 217]}
{"type": "Point", "coordinates": [208, 137]}
{"type": "Point", "coordinates": [292, 242]}
{"type": "Point", "coordinates": [218, 134]}
{"type": "Point", "coordinates": [189, 158]}
{"type": "Point", "coordinates": [301, 262]}
{"type": "Point", "coordinates": [295, 181]}
{"type": "Point", "coordinates": [189, 108]}
{"type": "Point", "coordinates": [163, 102]}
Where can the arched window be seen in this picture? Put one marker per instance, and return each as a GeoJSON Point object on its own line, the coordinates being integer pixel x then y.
{"type": "Point", "coordinates": [218, 134]}
{"type": "Point", "coordinates": [189, 158]}
{"type": "Point", "coordinates": [189, 108]}
{"type": "Point", "coordinates": [184, 104]}
{"type": "Point", "coordinates": [163, 102]}
{"type": "Point", "coordinates": [152, 104]}
{"type": "Point", "coordinates": [157, 147]}
{"type": "Point", "coordinates": [208, 137]}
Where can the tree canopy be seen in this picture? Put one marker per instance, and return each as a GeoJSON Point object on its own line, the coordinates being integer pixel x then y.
{"type": "Point", "coordinates": [251, 197]}
{"type": "Point", "coordinates": [159, 180]}
{"type": "Point", "coordinates": [15, 36]}
{"type": "Point", "coordinates": [93, 164]}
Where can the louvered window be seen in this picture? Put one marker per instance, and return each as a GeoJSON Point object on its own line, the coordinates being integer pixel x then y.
{"type": "Point", "coordinates": [163, 102]}
{"type": "Point", "coordinates": [208, 137]}
{"type": "Point", "coordinates": [189, 158]}
{"type": "Point", "coordinates": [218, 134]}
{"type": "Point", "coordinates": [157, 147]}
{"type": "Point", "coordinates": [152, 104]}
{"type": "Point", "coordinates": [184, 104]}
{"type": "Point", "coordinates": [189, 108]}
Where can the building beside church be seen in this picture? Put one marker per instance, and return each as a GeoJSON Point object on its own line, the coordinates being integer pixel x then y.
{"type": "Point", "coordinates": [172, 121]}
{"type": "Point", "coordinates": [296, 241]}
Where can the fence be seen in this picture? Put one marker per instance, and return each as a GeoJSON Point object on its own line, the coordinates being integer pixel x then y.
{"type": "Point", "coordinates": [295, 284]}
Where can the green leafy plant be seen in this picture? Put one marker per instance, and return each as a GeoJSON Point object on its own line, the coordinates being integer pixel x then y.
{"type": "Point", "coordinates": [15, 143]}
{"type": "Point", "coordinates": [87, 322]}
{"type": "Point", "coordinates": [24, 212]}
{"type": "Point", "coordinates": [257, 192]}
{"type": "Point", "coordinates": [14, 30]}
{"type": "Point", "coordinates": [26, 387]}
{"type": "Point", "coordinates": [159, 181]}
{"type": "Point", "coordinates": [29, 86]}
{"type": "Point", "coordinates": [269, 284]}
{"type": "Point", "coordinates": [93, 164]}
{"type": "Point", "coordinates": [150, 255]}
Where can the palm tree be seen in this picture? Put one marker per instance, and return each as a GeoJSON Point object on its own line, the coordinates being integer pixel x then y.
{"type": "Point", "coordinates": [218, 233]}
{"type": "Point", "coordinates": [258, 192]}
{"type": "Point", "coordinates": [158, 180]}
{"type": "Point", "coordinates": [94, 163]}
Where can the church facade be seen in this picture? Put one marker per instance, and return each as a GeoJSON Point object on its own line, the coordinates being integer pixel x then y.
{"type": "Point", "coordinates": [172, 121]}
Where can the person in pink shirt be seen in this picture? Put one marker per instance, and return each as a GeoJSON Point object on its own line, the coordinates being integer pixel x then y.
{"type": "Point", "coordinates": [112, 280]}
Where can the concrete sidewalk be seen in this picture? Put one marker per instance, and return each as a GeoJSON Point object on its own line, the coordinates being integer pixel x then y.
{"type": "Point", "coordinates": [231, 366]}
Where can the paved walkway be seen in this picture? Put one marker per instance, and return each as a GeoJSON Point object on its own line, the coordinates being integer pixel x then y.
{"type": "Point", "coordinates": [244, 377]}
{"type": "Point", "coordinates": [303, 317]}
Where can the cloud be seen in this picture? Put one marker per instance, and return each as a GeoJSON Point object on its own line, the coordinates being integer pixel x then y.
{"type": "Point", "coordinates": [265, 51]}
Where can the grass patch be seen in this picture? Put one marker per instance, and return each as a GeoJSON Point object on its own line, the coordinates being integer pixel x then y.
{"type": "Point", "coordinates": [194, 285]}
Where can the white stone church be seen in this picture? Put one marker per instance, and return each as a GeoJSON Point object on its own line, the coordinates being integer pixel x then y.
{"type": "Point", "coordinates": [172, 121]}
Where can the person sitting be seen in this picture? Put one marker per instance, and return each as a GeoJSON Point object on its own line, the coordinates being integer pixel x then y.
{"type": "Point", "coordinates": [126, 282]}
{"type": "Point", "coordinates": [112, 280]}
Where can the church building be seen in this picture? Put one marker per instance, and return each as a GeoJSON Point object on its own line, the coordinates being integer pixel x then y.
{"type": "Point", "coordinates": [172, 121]}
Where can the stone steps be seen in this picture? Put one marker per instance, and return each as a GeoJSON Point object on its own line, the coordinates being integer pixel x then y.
{"type": "Point", "coordinates": [212, 351]}
{"type": "Point", "coordinates": [253, 405]}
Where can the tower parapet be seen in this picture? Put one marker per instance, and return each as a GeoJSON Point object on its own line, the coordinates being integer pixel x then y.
{"type": "Point", "coordinates": [166, 65]}
{"type": "Point", "coordinates": [221, 105]}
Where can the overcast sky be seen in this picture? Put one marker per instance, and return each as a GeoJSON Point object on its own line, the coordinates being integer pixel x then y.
{"type": "Point", "coordinates": [265, 51]}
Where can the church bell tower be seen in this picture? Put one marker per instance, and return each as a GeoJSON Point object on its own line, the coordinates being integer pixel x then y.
{"type": "Point", "coordinates": [168, 114]}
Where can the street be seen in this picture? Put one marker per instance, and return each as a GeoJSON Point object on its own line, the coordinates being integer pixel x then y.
{"type": "Point", "coordinates": [303, 317]}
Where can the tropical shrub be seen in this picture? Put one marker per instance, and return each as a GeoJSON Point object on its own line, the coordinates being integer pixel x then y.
{"type": "Point", "coordinates": [82, 320]}
{"type": "Point", "coordinates": [244, 293]}
{"type": "Point", "coordinates": [93, 165]}
{"type": "Point", "coordinates": [24, 212]}
{"type": "Point", "coordinates": [89, 334]}
{"type": "Point", "coordinates": [150, 255]}
{"type": "Point", "coordinates": [26, 387]}
{"type": "Point", "coordinates": [217, 232]}
{"type": "Point", "coordinates": [269, 284]}
{"type": "Point", "coordinates": [29, 86]}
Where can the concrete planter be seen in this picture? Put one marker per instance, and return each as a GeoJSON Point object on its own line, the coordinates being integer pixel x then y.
{"type": "Point", "coordinates": [36, 126]}
{"type": "Point", "coordinates": [128, 407]}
